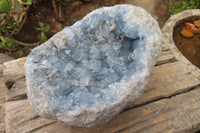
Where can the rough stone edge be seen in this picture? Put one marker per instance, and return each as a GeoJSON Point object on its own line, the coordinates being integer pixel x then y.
{"type": "Point", "coordinates": [167, 31]}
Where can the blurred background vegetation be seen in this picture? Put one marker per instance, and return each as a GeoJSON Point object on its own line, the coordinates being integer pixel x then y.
{"type": "Point", "coordinates": [25, 24]}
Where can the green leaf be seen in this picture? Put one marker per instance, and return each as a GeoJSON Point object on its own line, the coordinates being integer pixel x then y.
{"type": "Point", "coordinates": [16, 45]}
{"type": "Point", "coordinates": [43, 30]}
{"type": "Point", "coordinates": [181, 5]}
{"type": "Point", "coordinates": [20, 54]}
{"type": "Point", "coordinates": [8, 43]}
{"type": "Point", "coordinates": [17, 25]}
{"type": "Point", "coordinates": [5, 6]}
{"type": "Point", "coordinates": [46, 28]}
{"type": "Point", "coordinates": [41, 25]}
{"type": "Point", "coordinates": [43, 36]}
{"type": "Point", "coordinates": [9, 22]}
{"type": "Point", "coordinates": [2, 45]}
{"type": "Point", "coordinates": [39, 36]}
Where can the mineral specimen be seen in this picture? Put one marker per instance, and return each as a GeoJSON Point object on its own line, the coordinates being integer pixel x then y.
{"type": "Point", "coordinates": [87, 73]}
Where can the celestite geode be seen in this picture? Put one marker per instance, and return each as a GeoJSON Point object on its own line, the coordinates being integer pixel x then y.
{"type": "Point", "coordinates": [92, 70]}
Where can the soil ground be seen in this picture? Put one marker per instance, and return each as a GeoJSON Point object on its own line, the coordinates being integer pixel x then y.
{"type": "Point", "coordinates": [74, 11]}
{"type": "Point", "coordinates": [159, 9]}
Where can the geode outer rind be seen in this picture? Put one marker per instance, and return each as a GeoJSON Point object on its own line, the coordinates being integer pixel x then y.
{"type": "Point", "coordinates": [87, 73]}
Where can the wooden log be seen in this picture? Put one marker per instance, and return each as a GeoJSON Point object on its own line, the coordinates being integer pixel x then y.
{"type": "Point", "coordinates": [2, 106]}
{"type": "Point", "coordinates": [2, 117]}
{"type": "Point", "coordinates": [176, 114]}
{"type": "Point", "coordinates": [179, 113]}
{"type": "Point", "coordinates": [167, 80]}
{"type": "Point", "coordinates": [18, 91]}
{"type": "Point", "coordinates": [14, 70]}
{"type": "Point", "coordinates": [21, 118]}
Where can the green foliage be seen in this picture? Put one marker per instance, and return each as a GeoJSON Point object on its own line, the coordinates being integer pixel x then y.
{"type": "Point", "coordinates": [5, 6]}
{"type": "Point", "coordinates": [43, 29]}
{"type": "Point", "coordinates": [8, 44]}
{"type": "Point", "coordinates": [42, 36]}
{"type": "Point", "coordinates": [181, 5]}
{"type": "Point", "coordinates": [20, 54]}
{"type": "Point", "coordinates": [12, 25]}
{"type": "Point", "coordinates": [1, 29]}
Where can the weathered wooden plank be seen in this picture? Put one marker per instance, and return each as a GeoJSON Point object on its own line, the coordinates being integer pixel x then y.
{"type": "Point", "coordinates": [18, 91]}
{"type": "Point", "coordinates": [2, 91]}
{"type": "Point", "coordinates": [176, 114]}
{"type": "Point", "coordinates": [2, 105]}
{"type": "Point", "coordinates": [169, 79]}
{"type": "Point", "coordinates": [179, 113]}
{"type": "Point", "coordinates": [14, 70]}
{"type": "Point", "coordinates": [21, 118]}
{"type": "Point", "coordinates": [2, 117]}
{"type": "Point", "coordinates": [55, 128]}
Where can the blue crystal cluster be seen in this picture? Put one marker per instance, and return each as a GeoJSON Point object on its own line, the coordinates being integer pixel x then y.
{"type": "Point", "coordinates": [99, 54]}
{"type": "Point", "coordinates": [99, 63]}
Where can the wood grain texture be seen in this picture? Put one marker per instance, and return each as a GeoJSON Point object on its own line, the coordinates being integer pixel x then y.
{"type": "Point", "coordinates": [176, 114]}
{"type": "Point", "coordinates": [18, 91]}
{"type": "Point", "coordinates": [21, 118]}
{"type": "Point", "coordinates": [2, 106]}
{"type": "Point", "coordinates": [14, 70]}
{"type": "Point", "coordinates": [2, 117]}
{"type": "Point", "coordinates": [168, 79]}
{"type": "Point", "coordinates": [179, 113]}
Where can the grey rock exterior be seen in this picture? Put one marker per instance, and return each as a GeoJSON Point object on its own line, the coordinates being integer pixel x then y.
{"type": "Point", "coordinates": [89, 72]}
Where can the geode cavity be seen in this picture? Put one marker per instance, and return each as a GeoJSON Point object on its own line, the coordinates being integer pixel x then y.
{"type": "Point", "coordinates": [87, 73]}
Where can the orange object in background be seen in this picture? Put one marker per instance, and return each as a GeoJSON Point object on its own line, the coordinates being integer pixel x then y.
{"type": "Point", "coordinates": [194, 30]}
{"type": "Point", "coordinates": [187, 33]}
{"type": "Point", "coordinates": [189, 25]}
{"type": "Point", "coordinates": [197, 23]}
